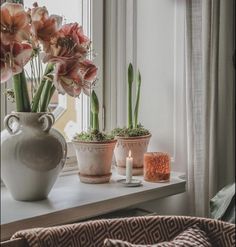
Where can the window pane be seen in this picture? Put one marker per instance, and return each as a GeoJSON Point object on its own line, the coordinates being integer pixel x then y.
{"type": "Point", "coordinates": [69, 9]}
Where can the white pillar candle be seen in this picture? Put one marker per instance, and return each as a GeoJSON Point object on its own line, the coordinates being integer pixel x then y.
{"type": "Point", "coordinates": [129, 168]}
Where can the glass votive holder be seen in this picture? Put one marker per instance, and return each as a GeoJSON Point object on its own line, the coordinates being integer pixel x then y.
{"type": "Point", "coordinates": [157, 167]}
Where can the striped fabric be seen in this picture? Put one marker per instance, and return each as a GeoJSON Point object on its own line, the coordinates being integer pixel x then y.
{"type": "Point", "coordinates": [191, 237]}
{"type": "Point", "coordinates": [138, 230]}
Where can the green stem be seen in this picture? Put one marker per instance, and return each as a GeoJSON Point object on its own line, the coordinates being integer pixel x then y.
{"type": "Point", "coordinates": [45, 96]}
{"type": "Point", "coordinates": [95, 111]}
{"type": "Point", "coordinates": [130, 81]}
{"type": "Point", "coordinates": [52, 90]}
{"type": "Point", "coordinates": [25, 94]}
{"type": "Point", "coordinates": [35, 101]}
{"type": "Point", "coordinates": [91, 119]}
{"type": "Point", "coordinates": [130, 120]}
{"type": "Point", "coordinates": [136, 109]}
{"type": "Point", "coordinates": [95, 122]}
{"type": "Point", "coordinates": [18, 93]}
{"type": "Point", "coordinates": [36, 98]}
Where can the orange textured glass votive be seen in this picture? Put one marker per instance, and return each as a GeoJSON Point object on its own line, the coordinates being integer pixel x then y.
{"type": "Point", "coordinates": [156, 167]}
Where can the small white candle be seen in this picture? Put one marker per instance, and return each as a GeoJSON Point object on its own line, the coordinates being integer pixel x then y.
{"type": "Point", "coordinates": [129, 167]}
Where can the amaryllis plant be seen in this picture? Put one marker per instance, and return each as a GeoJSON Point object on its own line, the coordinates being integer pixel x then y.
{"type": "Point", "coordinates": [133, 128]}
{"type": "Point", "coordinates": [33, 36]}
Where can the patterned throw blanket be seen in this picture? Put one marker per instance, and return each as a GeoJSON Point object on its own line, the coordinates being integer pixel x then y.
{"type": "Point", "coordinates": [137, 230]}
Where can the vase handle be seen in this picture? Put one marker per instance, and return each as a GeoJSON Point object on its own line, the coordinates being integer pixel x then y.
{"type": "Point", "coordinates": [7, 123]}
{"type": "Point", "coordinates": [64, 145]}
{"type": "Point", "coordinates": [52, 117]}
{"type": "Point", "coordinates": [48, 121]}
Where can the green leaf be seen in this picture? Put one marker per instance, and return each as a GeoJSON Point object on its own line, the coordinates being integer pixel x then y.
{"type": "Point", "coordinates": [36, 99]}
{"type": "Point", "coordinates": [25, 94]}
{"type": "Point", "coordinates": [45, 96]}
{"type": "Point", "coordinates": [130, 73]}
{"type": "Point", "coordinates": [18, 93]}
{"type": "Point", "coordinates": [130, 81]}
{"type": "Point", "coordinates": [94, 103]}
{"type": "Point", "coordinates": [136, 109]}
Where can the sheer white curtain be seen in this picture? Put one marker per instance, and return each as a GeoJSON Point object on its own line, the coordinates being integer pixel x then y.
{"type": "Point", "coordinates": [210, 99]}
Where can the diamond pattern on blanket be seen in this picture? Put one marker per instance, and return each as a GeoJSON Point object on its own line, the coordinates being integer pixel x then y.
{"type": "Point", "coordinates": [138, 230]}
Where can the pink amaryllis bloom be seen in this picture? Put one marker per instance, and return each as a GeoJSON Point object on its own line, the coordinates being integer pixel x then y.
{"type": "Point", "coordinates": [14, 23]}
{"type": "Point", "coordinates": [13, 58]}
{"type": "Point", "coordinates": [70, 43]}
{"type": "Point", "coordinates": [88, 70]}
{"type": "Point", "coordinates": [44, 27]}
{"type": "Point", "coordinates": [68, 79]}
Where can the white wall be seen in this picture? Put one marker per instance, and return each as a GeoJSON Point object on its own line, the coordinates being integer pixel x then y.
{"type": "Point", "coordinates": [160, 58]}
{"type": "Point", "coordinates": [155, 59]}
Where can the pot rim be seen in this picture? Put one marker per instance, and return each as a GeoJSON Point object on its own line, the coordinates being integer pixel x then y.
{"type": "Point", "coordinates": [133, 137]}
{"type": "Point", "coordinates": [94, 142]}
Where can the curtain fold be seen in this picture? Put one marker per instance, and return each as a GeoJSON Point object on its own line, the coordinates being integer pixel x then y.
{"type": "Point", "coordinates": [208, 80]}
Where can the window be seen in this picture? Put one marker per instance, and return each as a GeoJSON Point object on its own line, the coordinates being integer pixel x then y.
{"type": "Point", "coordinates": [135, 33]}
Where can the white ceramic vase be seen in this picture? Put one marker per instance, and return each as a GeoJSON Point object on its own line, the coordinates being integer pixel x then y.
{"type": "Point", "coordinates": [94, 160]}
{"type": "Point", "coordinates": [138, 146]}
{"type": "Point", "coordinates": [32, 155]}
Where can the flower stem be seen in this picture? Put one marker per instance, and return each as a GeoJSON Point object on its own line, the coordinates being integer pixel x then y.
{"type": "Point", "coordinates": [136, 109]}
{"type": "Point", "coordinates": [18, 93]}
{"type": "Point", "coordinates": [91, 119]}
{"type": "Point", "coordinates": [95, 122]}
{"type": "Point", "coordinates": [45, 96]}
{"type": "Point", "coordinates": [37, 96]}
{"type": "Point", "coordinates": [25, 94]}
{"type": "Point", "coordinates": [52, 90]}
{"type": "Point", "coordinates": [95, 111]}
{"type": "Point", "coordinates": [130, 81]}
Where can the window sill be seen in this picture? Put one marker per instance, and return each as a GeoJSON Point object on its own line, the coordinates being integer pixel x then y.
{"type": "Point", "coordinates": [72, 201]}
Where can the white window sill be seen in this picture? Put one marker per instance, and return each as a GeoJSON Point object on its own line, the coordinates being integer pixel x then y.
{"type": "Point", "coordinates": [72, 201]}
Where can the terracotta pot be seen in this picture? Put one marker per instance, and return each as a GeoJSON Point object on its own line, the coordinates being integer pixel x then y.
{"type": "Point", "coordinates": [32, 155]}
{"type": "Point", "coordinates": [94, 160]}
{"type": "Point", "coordinates": [138, 146]}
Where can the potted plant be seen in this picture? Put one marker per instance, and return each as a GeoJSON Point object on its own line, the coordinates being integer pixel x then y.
{"type": "Point", "coordinates": [134, 137]}
{"type": "Point", "coordinates": [32, 152]}
{"type": "Point", "coordinates": [94, 150]}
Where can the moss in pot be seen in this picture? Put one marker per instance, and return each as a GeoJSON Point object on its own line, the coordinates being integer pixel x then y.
{"type": "Point", "coordinates": [94, 150]}
{"type": "Point", "coordinates": [134, 136]}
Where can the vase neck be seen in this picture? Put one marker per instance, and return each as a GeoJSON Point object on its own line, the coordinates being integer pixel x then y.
{"type": "Point", "coordinates": [30, 119]}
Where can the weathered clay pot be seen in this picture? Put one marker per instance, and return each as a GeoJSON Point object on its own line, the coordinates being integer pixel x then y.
{"type": "Point", "coordinates": [138, 146]}
{"type": "Point", "coordinates": [94, 160]}
{"type": "Point", "coordinates": [32, 155]}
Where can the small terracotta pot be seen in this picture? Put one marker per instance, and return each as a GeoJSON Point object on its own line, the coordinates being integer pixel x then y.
{"type": "Point", "coordinates": [94, 160]}
{"type": "Point", "coordinates": [138, 146]}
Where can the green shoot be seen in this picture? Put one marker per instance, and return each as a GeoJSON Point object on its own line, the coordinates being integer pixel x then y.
{"type": "Point", "coordinates": [95, 111]}
{"type": "Point", "coordinates": [130, 81]}
{"type": "Point", "coordinates": [136, 110]}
